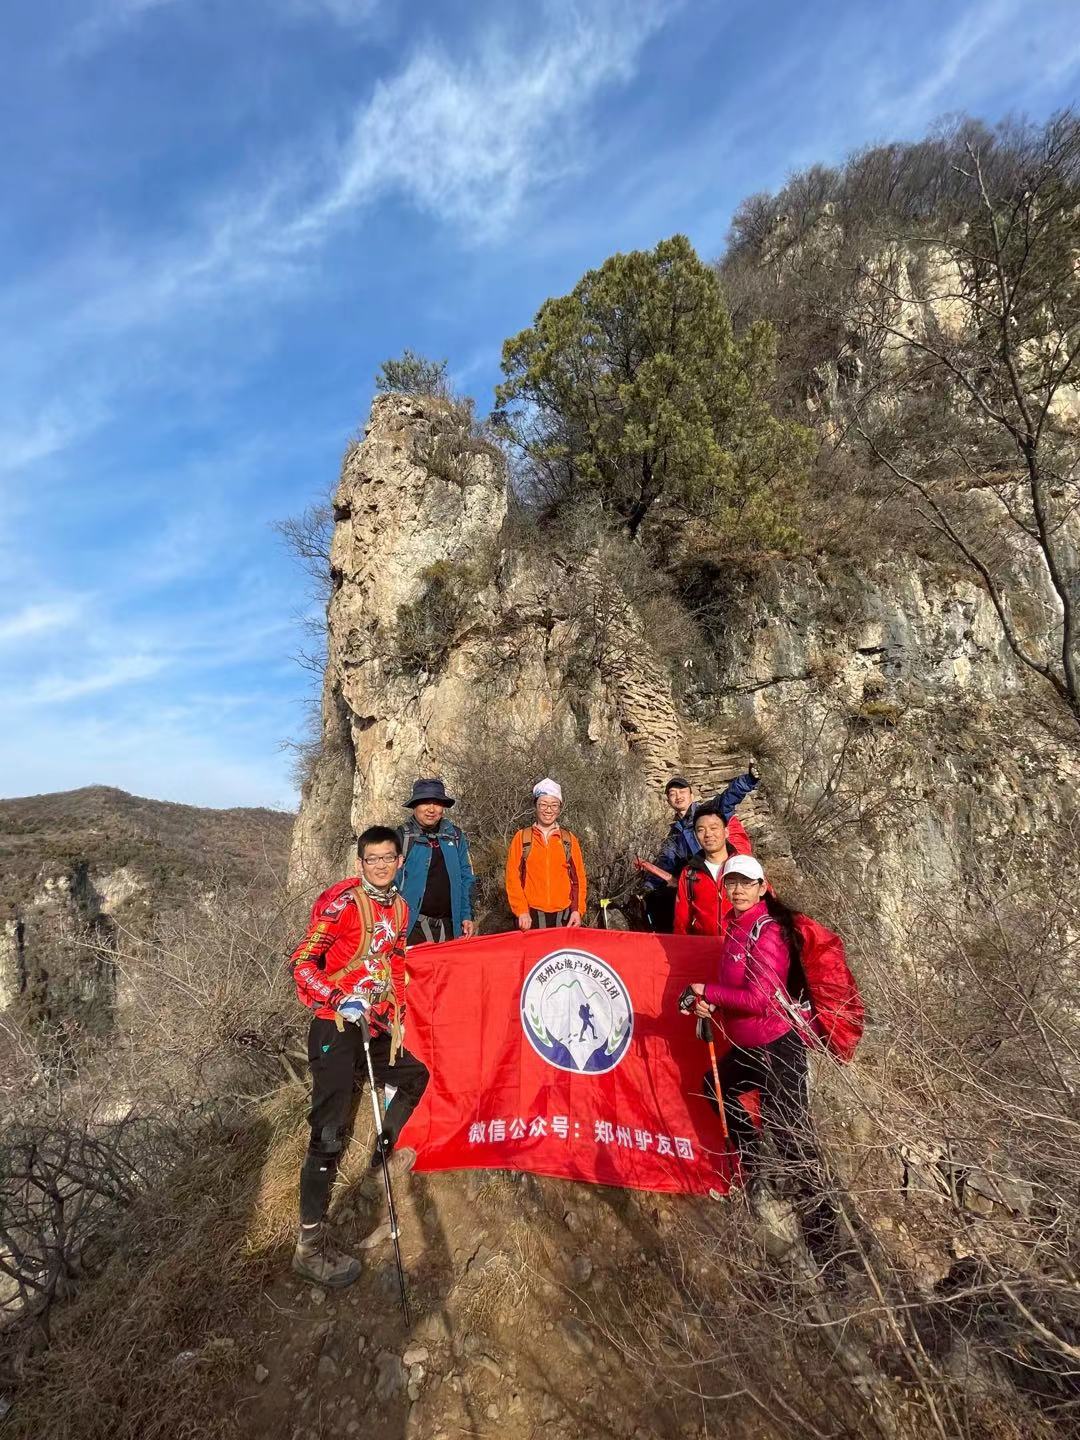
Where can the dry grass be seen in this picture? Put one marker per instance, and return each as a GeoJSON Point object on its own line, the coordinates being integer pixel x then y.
{"type": "Point", "coordinates": [149, 1350]}
{"type": "Point", "coordinates": [502, 1284]}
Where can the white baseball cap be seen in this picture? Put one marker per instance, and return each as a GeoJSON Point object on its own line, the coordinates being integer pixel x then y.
{"type": "Point", "coordinates": [744, 865]}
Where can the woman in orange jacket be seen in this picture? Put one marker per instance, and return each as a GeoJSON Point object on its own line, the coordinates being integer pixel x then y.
{"type": "Point", "coordinates": [545, 874]}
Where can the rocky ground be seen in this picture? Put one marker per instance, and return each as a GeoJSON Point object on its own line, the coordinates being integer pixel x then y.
{"type": "Point", "coordinates": [522, 1294]}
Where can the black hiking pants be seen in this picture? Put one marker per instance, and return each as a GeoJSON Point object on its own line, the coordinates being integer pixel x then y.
{"type": "Point", "coordinates": [431, 930]}
{"type": "Point", "coordinates": [660, 909]}
{"type": "Point", "coordinates": [549, 919]}
{"type": "Point", "coordinates": [777, 1071]}
{"type": "Point", "coordinates": [338, 1073]}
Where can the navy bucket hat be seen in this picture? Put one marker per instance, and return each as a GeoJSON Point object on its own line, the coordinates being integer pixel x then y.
{"type": "Point", "coordinates": [428, 791]}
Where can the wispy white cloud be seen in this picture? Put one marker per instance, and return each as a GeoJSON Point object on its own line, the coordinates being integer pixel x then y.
{"type": "Point", "coordinates": [35, 620]}
{"type": "Point", "coordinates": [348, 13]}
{"type": "Point", "coordinates": [964, 39]}
{"type": "Point", "coordinates": [467, 138]}
{"type": "Point", "coordinates": [26, 440]}
{"type": "Point", "coordinates": [464, 138]}
{"type": "Point", "coordinates": [119, 638]}
{"type": "Point", "coordinates": [976, 55]}
{"type": "Point", "coordinates": [106, 20]}
{"type": "Point", "coordinates": [60, 686]}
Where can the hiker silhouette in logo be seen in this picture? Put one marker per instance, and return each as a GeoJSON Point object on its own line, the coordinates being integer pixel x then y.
{"type": "Point", "coordinates": [585, 1016]}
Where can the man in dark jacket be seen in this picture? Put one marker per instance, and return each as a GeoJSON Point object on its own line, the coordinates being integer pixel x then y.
{"type": "Point", "coordinates": [437, 879]}
{"type": "Point", "coordinates": [681, 843]}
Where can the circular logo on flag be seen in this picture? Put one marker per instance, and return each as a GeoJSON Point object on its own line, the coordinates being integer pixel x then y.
{"type": "Point", "coordinates": [576, 1012]}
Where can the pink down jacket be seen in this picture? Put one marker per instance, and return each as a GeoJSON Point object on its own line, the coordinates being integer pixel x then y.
{"type": "Point", "coordinates": [744, 991]}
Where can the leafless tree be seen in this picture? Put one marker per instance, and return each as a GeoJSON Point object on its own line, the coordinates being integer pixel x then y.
{"type": "Point", "coordinates": [307, 536]}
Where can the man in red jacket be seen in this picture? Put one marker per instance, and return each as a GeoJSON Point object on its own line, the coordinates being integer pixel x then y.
{"type": "Point", "coordinates": [350, 971]}
{"type": "Point", "coordinates": [701, 902]}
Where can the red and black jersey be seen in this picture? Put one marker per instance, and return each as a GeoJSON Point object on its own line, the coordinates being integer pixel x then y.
{"type": "Point", "coordinates": [342, 955]}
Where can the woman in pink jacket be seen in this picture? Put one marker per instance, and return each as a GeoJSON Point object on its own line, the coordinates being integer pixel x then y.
{"type": "Point", "coordinates": [759, 972]}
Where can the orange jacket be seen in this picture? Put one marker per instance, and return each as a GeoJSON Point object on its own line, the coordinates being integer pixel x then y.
{"type": "Point", "coordinates": [549, 885]}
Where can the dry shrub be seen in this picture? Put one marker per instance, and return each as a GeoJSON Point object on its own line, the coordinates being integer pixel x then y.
{"type": "Point", "coordinates": [149, 1350]}
{"type": "Point", "coordinates": [830, 782]}
{"type": "Point", "coordinates": [951, 1147]}
{"type": "Point", "coordinates": [205, 1005]}
{"type": "Point", "coordinates": [63, 1188]}
{"type": "Point", "coordinates": [857, 514]}
{"type": "Point", "coordinates": [206, 1025]}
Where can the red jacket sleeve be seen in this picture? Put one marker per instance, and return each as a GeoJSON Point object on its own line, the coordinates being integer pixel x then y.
{"type": "Point", "coordinates": [765, 973]}
{"type": "Point", "coordinates": [737, 838]}
{"type": "Point", "coordinates": [312, 986]}
{"type": "Point", "coordinates": [682, 907]}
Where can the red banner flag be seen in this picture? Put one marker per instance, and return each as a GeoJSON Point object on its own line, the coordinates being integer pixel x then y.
{"type": "Point", "coordinates": [564, 1052]}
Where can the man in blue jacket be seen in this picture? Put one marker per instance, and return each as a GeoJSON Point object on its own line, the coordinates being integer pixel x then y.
{"type": "Point", "coordinates": [437, 878]}
{"type": "Point", "coordinates": [681, 843]}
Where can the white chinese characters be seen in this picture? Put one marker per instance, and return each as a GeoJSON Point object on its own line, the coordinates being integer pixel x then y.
{"type": "Point", "coordinates": [561, 1127]}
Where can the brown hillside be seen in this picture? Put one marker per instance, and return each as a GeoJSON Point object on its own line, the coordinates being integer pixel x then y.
{"type": "Point", "coordinates": [169, 846]}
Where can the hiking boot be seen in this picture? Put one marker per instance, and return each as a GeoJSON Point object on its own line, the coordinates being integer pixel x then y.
{"type": "Point", "coordinates": [315, 1260]}
{"type": "Point", "coordinates": [775, 1216]}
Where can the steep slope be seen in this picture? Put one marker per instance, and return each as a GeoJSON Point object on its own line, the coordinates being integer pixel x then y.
{"type": "Point", "coordinates": [539, 1307]}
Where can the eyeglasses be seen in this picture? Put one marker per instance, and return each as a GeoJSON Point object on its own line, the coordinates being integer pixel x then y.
{"type": "Point", "coordinates": [380, 859]}
{"type": "Point", "coordinates": [738, 882]}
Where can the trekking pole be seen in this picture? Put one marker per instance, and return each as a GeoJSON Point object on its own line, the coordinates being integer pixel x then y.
{"type": "Point", "coordinates": [365, 1031]}
{"type": "Point", "coordinates": [706, 1032]}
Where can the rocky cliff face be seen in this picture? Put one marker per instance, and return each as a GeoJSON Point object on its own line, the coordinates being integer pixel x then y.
{"type": "Point", "coordinates": [886, 707]}
{"type": "Point", "coordinates": [437, 620]}
{"type": "Point", "coordinates": [56, 957]}
{"type": "Point", "coordinates": [902, 737]}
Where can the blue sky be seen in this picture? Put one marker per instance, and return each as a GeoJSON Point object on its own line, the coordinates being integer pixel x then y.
{"type": "Point", "coordinates": [221, 215]}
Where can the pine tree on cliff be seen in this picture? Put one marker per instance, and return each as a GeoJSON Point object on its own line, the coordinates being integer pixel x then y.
{"type": "Point", "coordinates": [634, 388]}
